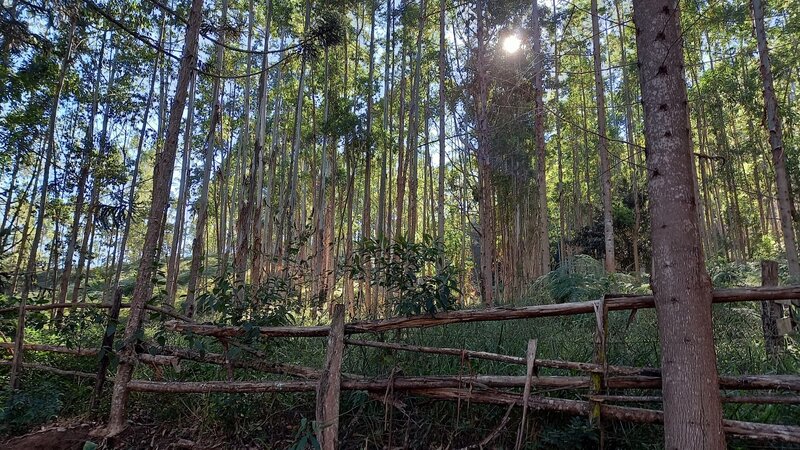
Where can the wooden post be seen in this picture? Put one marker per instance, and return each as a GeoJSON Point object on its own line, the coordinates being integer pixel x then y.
{"type": "Point", "coordinates": [330, 384]}
{"type": "Point", "coordinates": [598, 383]}
{"type": "Point", "coordinates": [106, 348]}
{"type": "Point", "coordinates": [526, 392]}
{"type": "Point", "coordinates": [19, 338]}
{"type": "Point", "coordinates": [771, 311]}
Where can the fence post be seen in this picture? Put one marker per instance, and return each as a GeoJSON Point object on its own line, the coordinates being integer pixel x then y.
{"type": "Point", "coordinates": [599, 357]}
{"type": "Point", "coordinates": [106, 347]}
{"type": "Point", "coordinates": [771, 311]}
{"type": "Point", "coordinates": [19, 338]}
{"type": "Point", "coordinates": [531, 363]}
{"type": "Point", "coordinates": [329, 385]}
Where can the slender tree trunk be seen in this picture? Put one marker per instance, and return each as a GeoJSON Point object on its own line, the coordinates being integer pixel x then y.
{"type": "Point", "coordinates": [135, 180]}
{"type": "Point", "coordinates": [605, 171]}
{"type": "Point", "coordinates": [174, 264]}
{"type": "Point", "coordinates": [401, 157]}
{"type": "Point", "coordinates": [626, 98]}
{"type": "Point", "coordinates": [366, 220]}
{"type": "Point", "coordinates": [541, 151]}
{"type": "Point", "coordinates": [199, 242]}
{"type": "Point", "coordinates": [486, 200]}
{"type": "Point", "coordinates": [83, 176]}
{"type": "Point", "coordinates": [413, 129]}
{"type": "Point", "coordinates": [162, 178]}
{"type": "Point", "coordinates": [442, 119]}
{"type": "Point", "coordinates": [30, 269]}
{"type": "Point", "coordinates": [681, 285]}
{"type": "Point", "coordinates": [557, 107]}
{"type": "Point", "coordinates": [296, 142]}
{"type": "Point", "coordinates": [772, 122]}
{"type": "Point", "coordinates": [26, 227]}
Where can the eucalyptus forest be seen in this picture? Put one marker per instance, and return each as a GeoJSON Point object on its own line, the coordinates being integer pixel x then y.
{"type": "Point", "coordinates": [399, 224]}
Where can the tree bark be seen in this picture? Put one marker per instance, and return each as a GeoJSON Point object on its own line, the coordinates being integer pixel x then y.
{"type": "Point", "coordinates": [681, 285]}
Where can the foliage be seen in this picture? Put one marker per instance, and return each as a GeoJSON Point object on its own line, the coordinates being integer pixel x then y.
{"type": "Point", "coordinates": [578, 434]}
{"type": "Point", "coordinates": [416, 275]}
{"type": "Point", "coordinates": [22, 409]}
{"type": "Point", "coordinates": [306, 438]}
{"type": "Point", "coordinates": [272, 303]}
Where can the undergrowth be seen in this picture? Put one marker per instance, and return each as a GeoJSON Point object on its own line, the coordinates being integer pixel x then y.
{"type": "Point", "coordinates": [285, 420]}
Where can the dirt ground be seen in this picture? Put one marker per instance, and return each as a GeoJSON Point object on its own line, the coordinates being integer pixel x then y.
{"type": "Point", "coordinates": [76, 436]}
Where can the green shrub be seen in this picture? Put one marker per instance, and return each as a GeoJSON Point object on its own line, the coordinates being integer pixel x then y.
{"type": "Point", "coordinates": [22, 409]}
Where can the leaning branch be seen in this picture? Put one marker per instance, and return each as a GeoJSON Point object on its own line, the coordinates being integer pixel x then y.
{"type": "Point", "coordinates": [613, 303]}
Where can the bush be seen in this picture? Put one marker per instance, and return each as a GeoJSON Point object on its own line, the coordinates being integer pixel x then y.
{"type": "Point", "coordinates": [22, 409]}
{"type": "Point", "coordinates": [416, 276]}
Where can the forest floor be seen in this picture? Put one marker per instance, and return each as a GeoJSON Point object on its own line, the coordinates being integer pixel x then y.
{"type": "Point", "coordinates": [77, 435]}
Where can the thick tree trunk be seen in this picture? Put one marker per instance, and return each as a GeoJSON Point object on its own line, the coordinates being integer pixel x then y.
{"type": "Point", "coordinates": [162, 178]}
{"type": "Point", "coordinates": [681, 285]}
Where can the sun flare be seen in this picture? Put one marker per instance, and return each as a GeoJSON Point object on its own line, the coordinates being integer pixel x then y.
{"type": "Point", "coordinates": [511, 43]}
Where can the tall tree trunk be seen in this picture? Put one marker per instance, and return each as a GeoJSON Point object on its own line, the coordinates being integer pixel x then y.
{"type": "Point", "coordinates": [178, 232]}
{"type": "Point", "coordinates": [401, 157]}
{"type": "Point", "coordinates": [83, 176]}
{"type": "Point", "coordinates": [772, 122]}
{"type": "Point", "coordinates": [199, 242]}
{"type": "Point", "coordinates": [626, 98]}
{"type": "Point", "coordinates": [486, 194]}
{"type": "Point", "coordinates": [25, 234]}
{"type": "Point", "coordinates": [541, 151]}
{"type": "Point", "coordinates": [162, 178]}
{"type": "Point", "coordinates": [681, 285]}
{"type": "Point", "coordinates": [135, 180]}
{"type": "Point", "coordinates": [602, 143]}
{"type": "Point", "coordinates": [296, 142]}
{"type": "Point", "coordinates": [557, 114]}
{"type": "Point", "coordinates": [442, 112]}
{"type": "Point", "coordinates": [366, 219]}
{"type": "Point", "coordinates": [97, 181]}
{"type": "Point", "coordinates": [30, 269]}
{"type": "Point", "coordinates": [413, 129]}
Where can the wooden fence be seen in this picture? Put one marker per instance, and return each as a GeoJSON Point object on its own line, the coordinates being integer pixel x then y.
{"type": "Point", "coordinates": [598, 377]}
